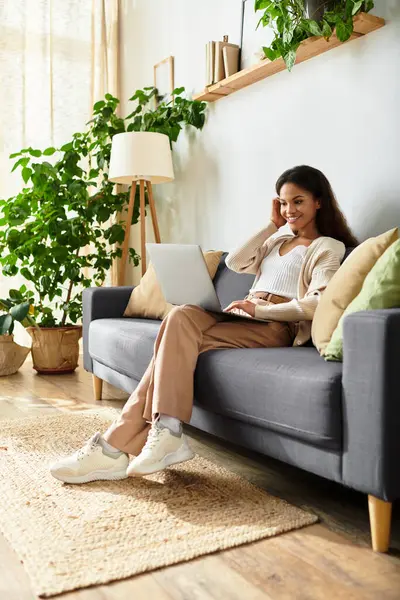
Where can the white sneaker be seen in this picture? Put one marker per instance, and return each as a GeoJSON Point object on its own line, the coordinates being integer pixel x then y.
{"type": "Point", "coordinates": [91, 463]}
{"type": "Point", "coordinates": [162, 449]}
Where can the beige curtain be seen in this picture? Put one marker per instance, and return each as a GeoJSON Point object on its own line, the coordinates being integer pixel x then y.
{"type": "Point", "coordinates": [57, 57]}
{"type": "Point", "coordinates": [105, 49]}
{"type": "Point", "coordinates": [106, 65]}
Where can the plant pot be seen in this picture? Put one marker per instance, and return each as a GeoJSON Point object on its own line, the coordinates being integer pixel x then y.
{"type": "Point", "coordinates": [315, 9]}
{"type": "Point", "coordinates": [55, 349]}
{"type": "Point", "coordinates": [12, 355]}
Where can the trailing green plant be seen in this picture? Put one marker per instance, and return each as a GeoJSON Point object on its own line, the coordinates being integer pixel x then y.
{"type": "Point", "coordinates": [291, 26]}
{"type": "Point", "coordinates": [169, 116]}
{"type": "Point", "coordinates": [59, 232]}
{"type": "Point", "coordinates": [17, 307]}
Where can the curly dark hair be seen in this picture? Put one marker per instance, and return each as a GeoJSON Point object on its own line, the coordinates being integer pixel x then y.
{"type": "Point", "coordinates": [330, 220]}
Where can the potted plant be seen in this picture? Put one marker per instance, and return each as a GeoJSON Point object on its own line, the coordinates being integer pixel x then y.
{"type": "Point", "coordinates": [12, 309]}
{"type": "Point", "coordinates": [61, 230]}
{"type": "Point", "coordinates": [295, 20]}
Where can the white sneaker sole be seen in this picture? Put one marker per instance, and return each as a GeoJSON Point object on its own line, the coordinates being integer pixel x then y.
{"type": "Point", "coordinates": [179, 456]}
{"type": "Point", "coordinates": [93, 476]}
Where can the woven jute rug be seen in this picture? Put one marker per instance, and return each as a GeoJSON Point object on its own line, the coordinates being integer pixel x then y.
{"type": "Point", "coordinates": [73, 536]}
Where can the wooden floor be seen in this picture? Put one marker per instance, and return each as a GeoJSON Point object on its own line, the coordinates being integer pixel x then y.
{"type": "Point", "coordinates": [329, 560]}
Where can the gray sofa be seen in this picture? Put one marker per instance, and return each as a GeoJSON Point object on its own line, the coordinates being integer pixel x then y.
{"type": "Point", "coordinates": [339, 421]}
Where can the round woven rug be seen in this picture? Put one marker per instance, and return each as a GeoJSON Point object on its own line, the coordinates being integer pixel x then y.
{"type": "Point", "coordinates": [73, 536]}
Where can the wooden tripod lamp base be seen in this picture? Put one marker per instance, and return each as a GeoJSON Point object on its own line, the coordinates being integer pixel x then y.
{"type": "Point", "coordinates": [125, 248]}
{"type": "Point", "coordinates": [144, 158]}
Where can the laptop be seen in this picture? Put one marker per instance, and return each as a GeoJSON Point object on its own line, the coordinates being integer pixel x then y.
{"type": "Point", "coordinates": [184, 278]}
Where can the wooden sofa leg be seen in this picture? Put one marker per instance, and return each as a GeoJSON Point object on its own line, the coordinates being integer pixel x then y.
{"type": "Point", "coordinates": [380, 517]}
{"type": "Point", "coordinates": [97, 387]}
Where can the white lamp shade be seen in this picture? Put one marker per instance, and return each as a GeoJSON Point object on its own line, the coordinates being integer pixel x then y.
{"type": "Point", "coordinates": [140, 155]}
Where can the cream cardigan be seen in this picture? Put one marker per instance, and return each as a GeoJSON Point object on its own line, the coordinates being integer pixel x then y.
{"type": "Point", "coordinates": [321, 261]}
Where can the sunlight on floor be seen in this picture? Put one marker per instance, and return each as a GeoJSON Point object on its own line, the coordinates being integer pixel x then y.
{"type": "Point", "coordinates": [63, 404]}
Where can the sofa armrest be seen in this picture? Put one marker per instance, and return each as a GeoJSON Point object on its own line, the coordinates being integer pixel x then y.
{"type": "Point", "coordinates": [101, 303]}
{"type": "Point", "coordinates": [371, 402]}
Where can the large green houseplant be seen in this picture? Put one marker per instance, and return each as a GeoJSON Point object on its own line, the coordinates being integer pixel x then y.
{"type": "Point", "coordinates": [59, 232]}
{"type": "Point", "coordinates": [292, 22]}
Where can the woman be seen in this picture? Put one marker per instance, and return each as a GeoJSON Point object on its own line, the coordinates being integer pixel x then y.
{"type": "Point", "coordinates": [292, 270]}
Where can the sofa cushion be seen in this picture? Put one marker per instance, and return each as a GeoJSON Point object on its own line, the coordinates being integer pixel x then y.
{"type": "Point", "coordinates": [125, 345]}
{"type": "Point", "coordinates": [288, 390]}
{"type": "Point", "coordinates": [345, 285]}
{"type": "Point", "coordinates": [381, 289]}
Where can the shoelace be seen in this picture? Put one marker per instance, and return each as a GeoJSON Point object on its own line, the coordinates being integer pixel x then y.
{"type": "Point", "coordinates": [88, 447]}
{"type": "Point", "coordinates": [152, 438]}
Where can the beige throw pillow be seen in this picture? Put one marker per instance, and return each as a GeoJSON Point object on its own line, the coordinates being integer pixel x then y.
{"type": "Point", "coordinates": [147, 300]}
{"type": "Point", "coordinates": [345, 285]}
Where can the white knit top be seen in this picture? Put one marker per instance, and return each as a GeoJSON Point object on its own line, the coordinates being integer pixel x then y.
{"type": "Point", "coordinates": [321, 261]}
{"type": "Point", "coordinates": [280, 274]}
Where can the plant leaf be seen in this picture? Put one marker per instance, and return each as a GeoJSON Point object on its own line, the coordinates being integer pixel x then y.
{"type": "Point", "coordinates": [326, 30]}
{"type": "Point", "coordinates": [314, 27]}
{"type": "Point", "coordinates": [356, 7]}
{"type": "Point", "coordinates": [67, 147]}
{"type": "Point", "coordinates": [344, 29]}
{"type": "Point", "coordinates": [261, 4]}
{"type": "Point", "coordinates": [49, 151]}
{"type": "Point", "coordinates": [22, 161]}
{"type": "Point", "coordinates": [15, 294]}
{"type": "Point", "coordinates": [269, 53]}
{"type": "Point", "coordinates": [290, 59]}
{"type": "Point", "coordinates": [6, 322]}
{"type": "Point", "coordinates": [26, 174]}
{"type": "Point", "coordinates": [20, 311]}
{"type": "Point", "coordinates": [288, 32]}
{"type": "Point", "coordinates": [98, 105]}
{"type": "Point", "coordinates": [5, 304]}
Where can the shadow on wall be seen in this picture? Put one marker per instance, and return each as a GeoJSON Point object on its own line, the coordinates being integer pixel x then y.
{"type": "Point", "coordinates": [388, 9]}
{"type": "Point", "coordinates": [384, 214]}
{"type": "Point", "coordinates": [188, 202]}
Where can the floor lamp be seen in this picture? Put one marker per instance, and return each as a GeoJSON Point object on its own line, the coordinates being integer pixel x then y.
{"type": "Point", "coordinates": [140, 158]}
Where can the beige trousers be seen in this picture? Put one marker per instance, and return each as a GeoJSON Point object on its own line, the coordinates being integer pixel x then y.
{"type": "Point", "coordinates": [167, 385]}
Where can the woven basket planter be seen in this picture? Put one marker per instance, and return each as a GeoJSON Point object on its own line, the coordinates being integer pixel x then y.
{"type": "Point", "coordinates": [55, 349]}
{"type": "Point", "coordinates": [12, 355]}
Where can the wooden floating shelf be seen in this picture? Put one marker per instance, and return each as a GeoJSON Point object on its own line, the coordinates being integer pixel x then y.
{"type": "Point", "coordinates": [363, 23]}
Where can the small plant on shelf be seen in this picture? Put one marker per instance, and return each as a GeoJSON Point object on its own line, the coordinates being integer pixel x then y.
{"type": "Point", "coordinates": [291, 25]}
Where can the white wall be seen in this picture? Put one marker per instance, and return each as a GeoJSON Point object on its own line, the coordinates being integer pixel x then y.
{"type": "Point", "coordinates": [339, 112]}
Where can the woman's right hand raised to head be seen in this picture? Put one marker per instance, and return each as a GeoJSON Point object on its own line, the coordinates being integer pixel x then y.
{"type": "Point", "coordinates": [276, 216]}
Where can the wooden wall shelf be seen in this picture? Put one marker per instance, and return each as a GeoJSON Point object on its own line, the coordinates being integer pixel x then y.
{"type": "Point", "coordinates": [363, 23]}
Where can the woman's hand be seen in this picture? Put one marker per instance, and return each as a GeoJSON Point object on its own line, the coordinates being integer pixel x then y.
{"type": "Point", "coordinates": [245, 305]}
{"type": "Point", "coordinates": [276, 216]}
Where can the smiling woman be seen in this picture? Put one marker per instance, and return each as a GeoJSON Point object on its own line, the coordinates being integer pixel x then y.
{"type": "Point", "coordinates": [292, 271]}
{"type": "Point", "coordinates": [298, 208]}
{"type": "Point", "coordinates": [319, 232]}
{"type": "Point", "coordinates": [308, 204]}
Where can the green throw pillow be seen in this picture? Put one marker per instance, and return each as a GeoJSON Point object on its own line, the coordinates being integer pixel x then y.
{"type": "Point", "coordinates": [381, 289]}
